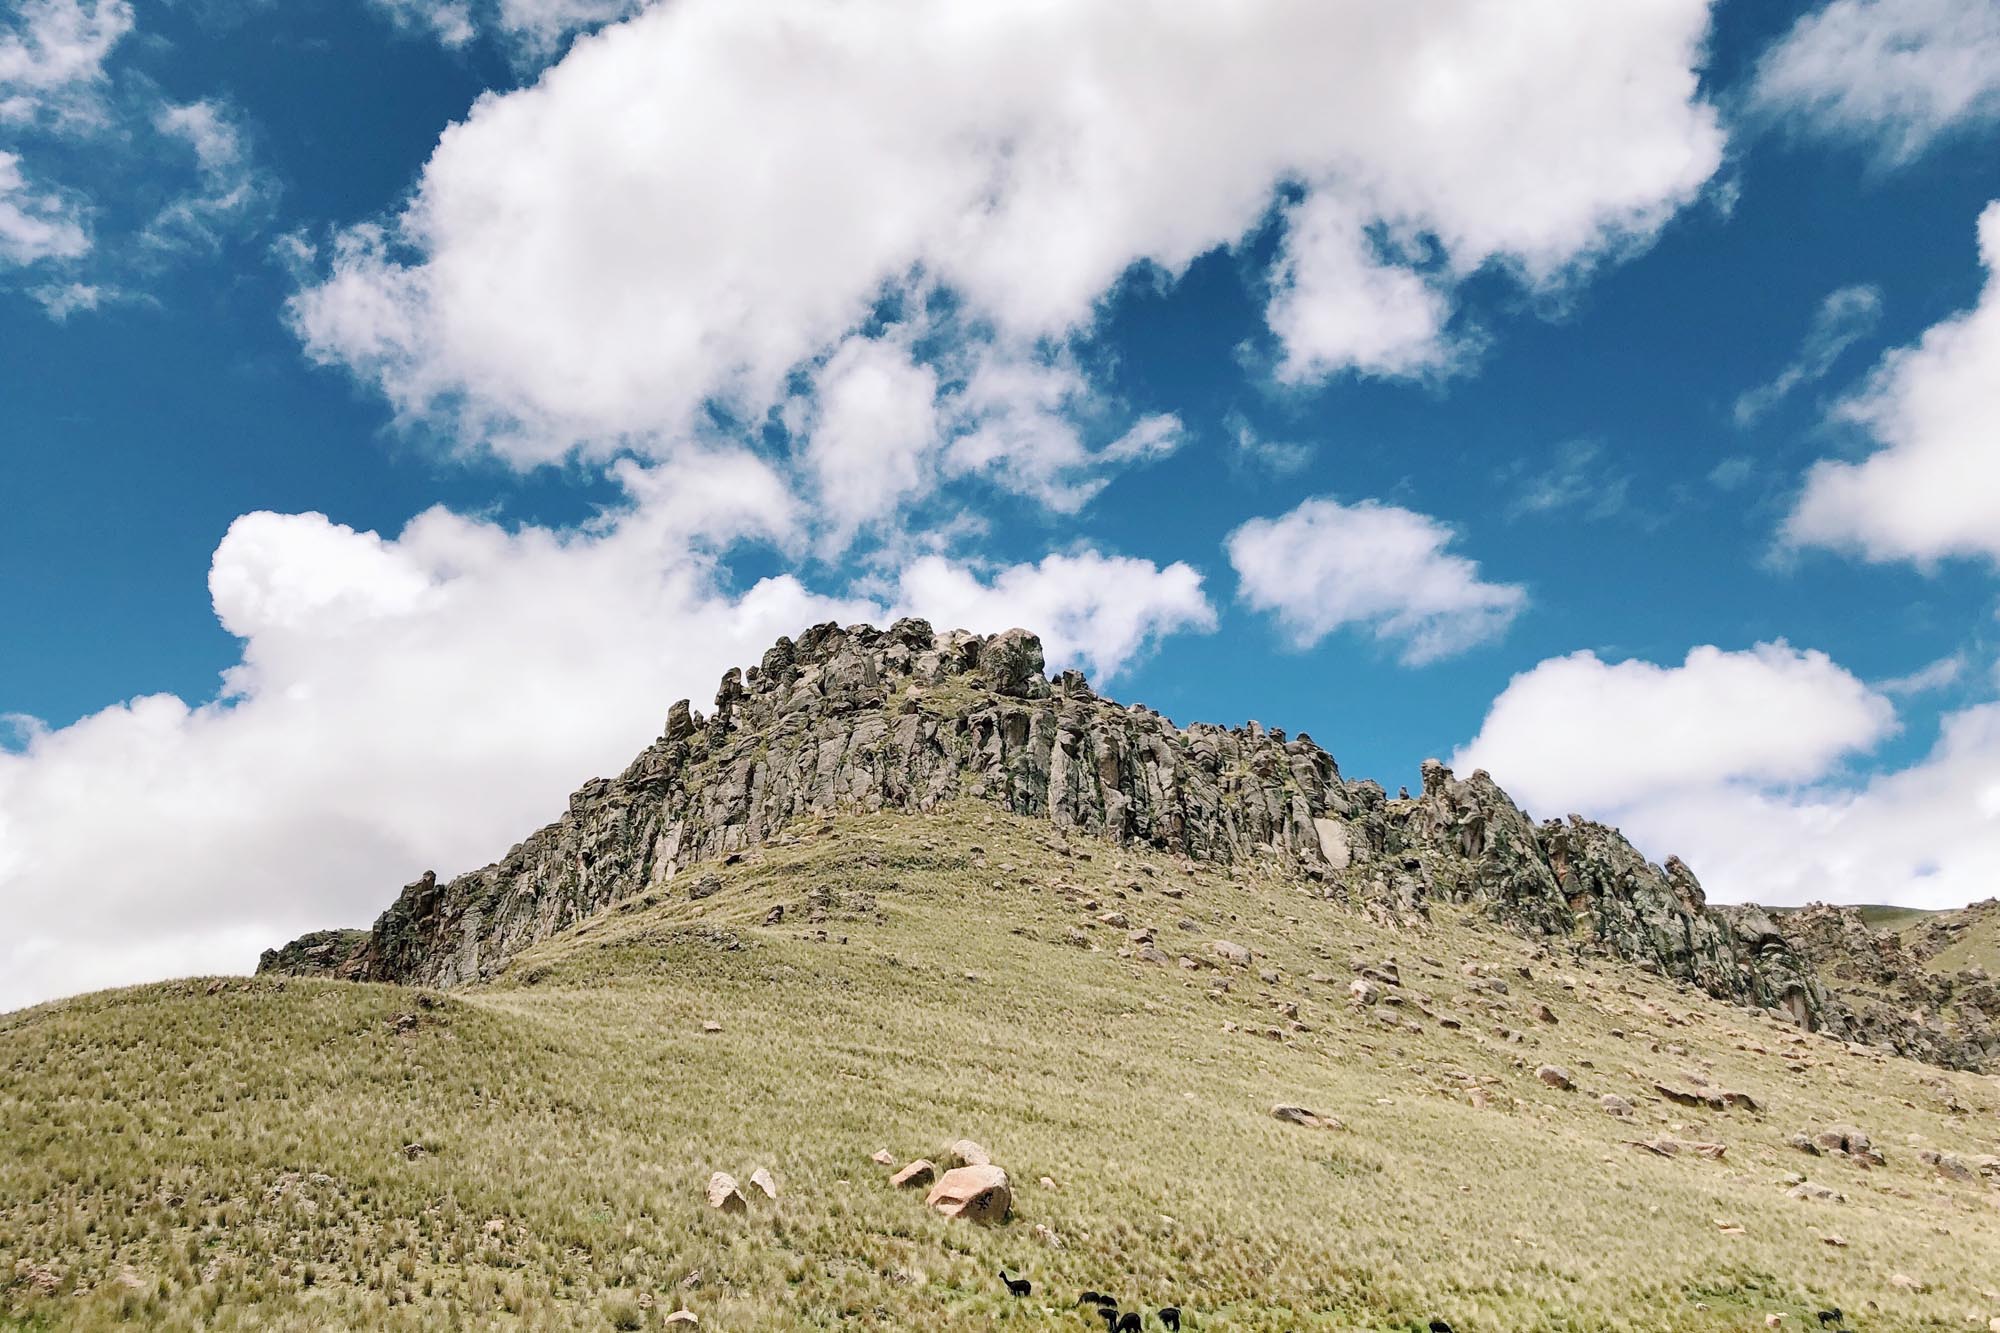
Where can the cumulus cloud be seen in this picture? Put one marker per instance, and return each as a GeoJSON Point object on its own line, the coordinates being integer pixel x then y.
{"type": "Point", "coordinates": [1844, 318]}
{"type": "Point", "coordinates": [1091, 610]}
{"type": "Point", "coordinates": [1325, 566]}
{"type": "Point", "coordinates": [1931, 489]}
{"type": "Point", "coordinates": [1895, 73]}
{"type": "Point", "coordinates": [421, 700]}
{"type": "Point", "coordinates": [874, 433]}
{"type": "Point", "coordinates": [695, 203]}
{"type": "Point", "coordinates": [1578, 728]}
{"type": "Point", "coordinates": [1732, 761]}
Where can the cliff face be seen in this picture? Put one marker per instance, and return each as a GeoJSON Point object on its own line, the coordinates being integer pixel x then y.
{"type": "Point", "coordinates": [909, 719]}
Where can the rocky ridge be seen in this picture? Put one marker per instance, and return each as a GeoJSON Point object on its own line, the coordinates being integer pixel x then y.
{"type": "Point", "coordinates": [915, 720]}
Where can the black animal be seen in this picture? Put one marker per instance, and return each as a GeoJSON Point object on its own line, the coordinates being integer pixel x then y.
{"type": "Point", "coordinates": [1089, 1298]}
{"type": "Point", "coordinates": [1129, 1322]}
{"type": "Point", "coordinates": [1016, 1286]}
{"type": "Point", "coordinates": [1109, 1313]}
{"type": "Point", "coordinates": [1439, 1326]}
{"type": "Point", "coordinates": [1170, 1315]}
{"type": "Point", "coordinates": [1832, 1316]}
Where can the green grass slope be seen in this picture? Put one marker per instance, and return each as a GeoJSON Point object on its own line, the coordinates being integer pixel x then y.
{"type": "Point", "coordinates": [532, 1153]}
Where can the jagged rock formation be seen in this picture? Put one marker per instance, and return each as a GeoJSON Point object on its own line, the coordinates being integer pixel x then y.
{"type": "Point", "coordinates": [1882, 992]}
{"type": "Point", "coordinates": [909, 719]}
{"type": "Point", "coordinates": [323, 953]}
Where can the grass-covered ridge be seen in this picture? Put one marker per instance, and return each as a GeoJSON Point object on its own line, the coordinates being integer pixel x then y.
{"type": "Point", "coordinates": [242, 1158]}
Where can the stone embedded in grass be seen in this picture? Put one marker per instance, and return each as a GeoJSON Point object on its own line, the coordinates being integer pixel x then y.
{"type": "Point", "coordinates": [1613, 1104]}
{"type": "Point", "coordinates": [919, 1172]}
{"type": "Point", "coordinates": [761, 1178]}
{"type": "Point", "coordinates": [882, 1157]}
{"type": "Point", "coordinates": [705, 886]}
{"type": "Point", "coordinates": [1299, 1115]}
{"type": "Point", "coordinates": [1904, 1282]}
{"type": "Point", "coordinates": [1668, 1146]}
{"type": "Point", "coordinates": [976, 1193]}
{"type": "Point", "coordinates": [683, 1316]}
{"type": "Point", "coordinates": [724, 1195]}
{"type": "Point", "coordinates": [413, 1152]}
{"type": "Point", "coordinates": [1230, 952]}
{"type": "Point", "coordinates": [1556, 1077]}
{"type": "Point", "coordinates": [1363, 991]}
{"type": "Point", "coordinates": [965, 1152]}
{"type": "Point", "coordinates": [1806, 1189]}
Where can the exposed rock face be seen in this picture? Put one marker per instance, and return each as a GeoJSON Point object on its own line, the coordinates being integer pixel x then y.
{"type": "Point", "coordinates": [909, 719]}
{"type": "Point", "coordinates": [1884, 994]}
{"type": "Point", "coordinates": [323, 953]}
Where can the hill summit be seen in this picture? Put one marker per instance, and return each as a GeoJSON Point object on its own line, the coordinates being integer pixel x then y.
{"type": "Point", "coordinates": [911, 719]}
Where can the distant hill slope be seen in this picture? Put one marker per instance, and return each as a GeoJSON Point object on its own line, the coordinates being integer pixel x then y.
{"type": "Point", "coordinates": [530, 1149]}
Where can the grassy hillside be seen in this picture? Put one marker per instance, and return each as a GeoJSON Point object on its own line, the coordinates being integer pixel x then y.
{"type": "Point", "coordinates": [532, 1153]}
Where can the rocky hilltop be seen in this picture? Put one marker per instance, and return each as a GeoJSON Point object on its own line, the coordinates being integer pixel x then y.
{"type": "Point", "coordinates": [857, 718]}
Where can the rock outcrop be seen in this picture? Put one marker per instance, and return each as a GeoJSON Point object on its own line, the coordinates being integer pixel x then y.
{"type": "Point", "coordinates": [909, 719]}
{"type": "Point", "coordinates": [1885, 992]}
{"type": "Point", "coordinates": [323, 953]}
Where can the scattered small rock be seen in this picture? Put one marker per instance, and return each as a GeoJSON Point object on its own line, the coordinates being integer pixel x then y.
{"type": "Point", "coordinates": [919, 1172]}
{"type": "Point", "coordinates": [1556, 1077]}
{"type": "Point", "coordinates": [1299, 1115]}
{"type": "Point", "coordinates": [964, 1152]}
{"type": "Point", "coordinates": [882, 1157]}
{"type": "Point", "coordinates": [762, 1180]}
{"type": "Point", "coordinates": [711, 1026]}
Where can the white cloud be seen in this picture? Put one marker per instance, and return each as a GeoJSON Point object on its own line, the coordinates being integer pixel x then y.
{"type": "Point", "coordinates": [1899, 73]}
{"type": "Point", "coordinates": [1324, 566]}
{"type": "Point", "coordinates": [1579, 729]}
{"type": "Point", "coordinates": [35, 225]}
{"type": "Point", "coordinates": [1932, 489]}
{"type": "Point", "coordinates": [533, 28]}
{"type": "Point", "coordinates": [1091, 610]}
{"type": "Point", "coordinates": [1732, 761]}
{"type": "Point", "coordinates": [52, 55]}
{"type": "Point", "coordinates": [1339, 301]}
{"type": "Point", "coordinates": [1927, 679]}
{"type": "Point", "coordinates": [230, 193]}
{"type": "Point", "coordinates": [1019, 420]}
{"type": "Point", "coordinates": [1577, 478]}
{"type": "Point", "coordinates": [695, 203]}
{"type": "Point", "coordinates": [1844, 318]}
{"type": "Point", "coordinates": [874, 434]}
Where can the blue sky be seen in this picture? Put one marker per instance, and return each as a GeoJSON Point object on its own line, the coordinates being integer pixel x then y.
{"type": "Point", "coordinates": [402, 403]}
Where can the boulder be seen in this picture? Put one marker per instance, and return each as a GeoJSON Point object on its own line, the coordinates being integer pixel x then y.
{"type": "Point", "coordinates": [1556, 1077]}
{"type": "Point", "coordinates": [882, 1157]}
{"type": "Point", "coordinates": [915, 1175]}
{"type": "Point", "coordinates": [723, 1193]}
{"type": "Point", "coordinates": [1230, 952]}
{"type": "Point", "coordinates": [762, 1180]}
{"type": "Point", "coordinates": [976, 1193]}
{"type": "Point", "coordinates": [1613, 1104]}
{"type": "Point", "coordinates": [1362, 991]}
{"type": "Point", "coordinates": [964, 1152]}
